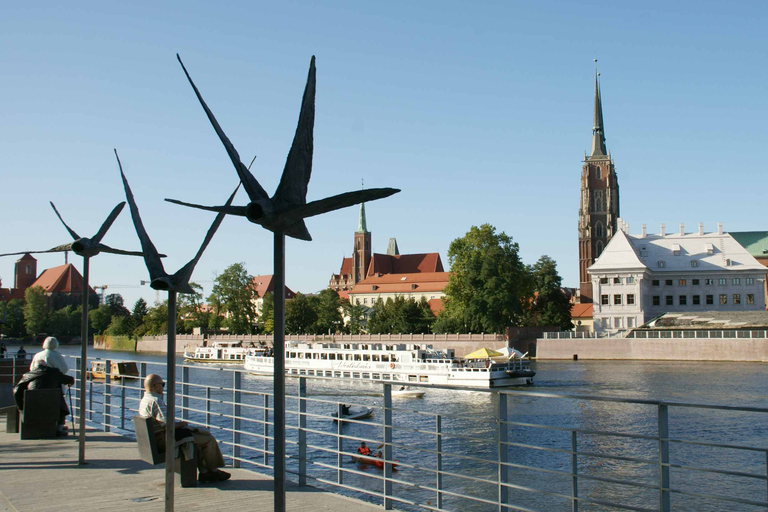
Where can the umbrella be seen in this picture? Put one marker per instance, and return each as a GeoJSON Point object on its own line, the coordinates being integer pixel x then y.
{"type": "Point", "coordinates": [510, 353]}
{"type": "Point", "coordinates": [483, 353]}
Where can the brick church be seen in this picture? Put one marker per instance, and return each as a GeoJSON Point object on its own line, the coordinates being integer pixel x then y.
{"type": "Point", "coordinates": [63, 285]}
{"type": "Point", "coordinates": [599, 206]}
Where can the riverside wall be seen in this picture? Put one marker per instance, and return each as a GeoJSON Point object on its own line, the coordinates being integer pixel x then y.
{"type": "Point", "coordinates": [675, 349]}
{"type": "Point", "coordinates": [461, 343]}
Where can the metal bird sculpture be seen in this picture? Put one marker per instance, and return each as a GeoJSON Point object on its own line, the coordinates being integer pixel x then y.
{"type": "Point", "coordinates": [160, 279]}
{"type": "Point", "coordinates": [286, 210]}
{"type": "Point", "coordinates": [83, 246]}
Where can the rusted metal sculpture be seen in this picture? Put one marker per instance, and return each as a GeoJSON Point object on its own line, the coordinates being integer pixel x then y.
{"type": "Point", "coordinates": [283, 214]}
{"type": "Point", "coordinates": [173, 284]}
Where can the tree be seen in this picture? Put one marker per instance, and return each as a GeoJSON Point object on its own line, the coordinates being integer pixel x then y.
{"type": "Point", "coordinates": [301, 314]}
{"type": "Point", "coordinates": [235, 291]}
{"type": "Point", "coordinates": [100, 318]}
{"type": "Point", "coordinates": [140, 310]}
{"type": "Point", "coordinates": [489, 287]}
{"type": "Point", "coordinates": [119, 326]}
{"type": "Point", "coordinates": [267, 318]}
{"type": "Point", "coordinates": [156, 320]}
{"type": "Point", "coordinates": [114, 302]}
{"type": "Point", "coordinates": [36, 311]}
{"type": "Point", "coordinates": [550, 306]}
{"type": "Point", "coordinates": [329, 319]}
{"type": "Point", "coordinates": [65, 321]}
{"type": "Point", "coordinates": [12, 313]}
{"type": "Point", "coordinates": [355, 314]}
{"type": "Point", "coordinates": [400, 315]}
{"type": "Point", "coordinates": [191, 313]}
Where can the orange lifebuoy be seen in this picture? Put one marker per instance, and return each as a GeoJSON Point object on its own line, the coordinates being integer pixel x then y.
{"type": "Point", "coordinates": [392, 365]}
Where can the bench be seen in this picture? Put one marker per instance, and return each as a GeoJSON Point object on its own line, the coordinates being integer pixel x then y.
{"type": "Point", "coordinates": [8, 407]}
{"type": "Point", "coordinates": [150, 453]}
{"type": "Point", "coordinates": [42, 410]}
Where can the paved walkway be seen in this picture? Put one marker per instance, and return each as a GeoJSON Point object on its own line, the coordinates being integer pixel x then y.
{"type": "Point", "coordinates": [43, 475]}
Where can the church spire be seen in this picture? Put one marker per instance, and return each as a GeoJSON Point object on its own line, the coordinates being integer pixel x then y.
{"type": "Point", "coordinates": [598, 131]}
{"type": "Point", "coordinates": [361, 224]}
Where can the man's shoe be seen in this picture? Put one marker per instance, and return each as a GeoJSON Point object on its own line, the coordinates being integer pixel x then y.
{"type": "Point", "coordinates": [221, 476]}
{"type": "Point", "coordinates": [207, 477]}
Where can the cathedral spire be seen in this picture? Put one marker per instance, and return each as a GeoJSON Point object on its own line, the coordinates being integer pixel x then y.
{"type": "Point", "coordinates": [361, 224]}
{"type": "Point", "coordinates": [598, 131]}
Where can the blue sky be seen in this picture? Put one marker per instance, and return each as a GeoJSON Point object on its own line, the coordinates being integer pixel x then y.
{"type": "Point", "coordinates": [479, 113]}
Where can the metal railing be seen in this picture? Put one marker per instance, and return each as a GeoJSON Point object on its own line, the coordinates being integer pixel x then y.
{"type": "Point", "coordinates": [642, 334]}
{"type": "Point", "coordinates": [475, 449]}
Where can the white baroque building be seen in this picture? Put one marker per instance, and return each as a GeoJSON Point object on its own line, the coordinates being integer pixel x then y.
{"type": "Point", "coordinates": [639, 277]}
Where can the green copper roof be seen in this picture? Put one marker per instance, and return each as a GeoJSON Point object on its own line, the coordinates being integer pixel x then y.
{"type": "Point", "coordinates": [755, 242]}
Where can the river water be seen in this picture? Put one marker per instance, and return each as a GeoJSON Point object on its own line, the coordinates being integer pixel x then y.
{"type": "Point", "coordinates": [471, 414]}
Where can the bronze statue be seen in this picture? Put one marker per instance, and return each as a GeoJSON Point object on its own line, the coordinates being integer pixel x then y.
{"type": "Point", "coordinates": [160, 279]}
{"type": "Point", "coordinates": [286, 210]}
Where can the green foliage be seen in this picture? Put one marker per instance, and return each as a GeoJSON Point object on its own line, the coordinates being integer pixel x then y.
{"type": "Point", "coordinates": [36, 311]}
{"type": "Point", "coordinates": [156, 320]}
{"type": "Point", "coordinates": [329, 319]}
{"type": "Point", "coordinates": [550, 306]}
{"type": "Point", "coordinates": [124, 343]}
{"type": "Point", "coordinates": [355, 314]}
{"type": "Point", "coordinates": [267, 318]}
{"type": "Point", "coordinates": [190, 311]}
{"type": "Point", "coordinates": [100, 318]}
{"type": "Point", "coordinates": [12, 313]}
{"type": "Point", "coordinates": [235, 291]}
{"type": "Point", "coordinates": [65, 321]}
{"type": "Point", "coordinates": [119, 326]}
{"type": "Point", "coordinates": [114, 302]}
{"type": "Point", "coordinates": [400, 315]}
{"type": "Point", "coordinates": [489, 288]}
{"type": "Point", "coordinates": [301, 314]}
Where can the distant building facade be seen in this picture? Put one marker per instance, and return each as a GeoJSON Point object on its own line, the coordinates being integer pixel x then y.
{"type": "Point", "coordinates": [266, 284]}
{"type": "Point", "coordinates": [63, 285]}
{"type": "Point", "coordinates": [640, 277]}
{"type": "Point", "coordinates": [599, 203]}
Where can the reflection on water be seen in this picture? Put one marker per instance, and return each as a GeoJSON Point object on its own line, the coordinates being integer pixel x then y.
{"type": "Point", "coordinates": [469, 427]}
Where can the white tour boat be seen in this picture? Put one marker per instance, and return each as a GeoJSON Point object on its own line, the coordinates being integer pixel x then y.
{"type": "Point", "coordinates": [399, 363]}
{"type": "Point", "coordinates": [232, 352]}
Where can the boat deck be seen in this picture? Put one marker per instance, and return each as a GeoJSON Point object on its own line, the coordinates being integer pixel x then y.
{"type": "Point", "coordinates": [43, 475]}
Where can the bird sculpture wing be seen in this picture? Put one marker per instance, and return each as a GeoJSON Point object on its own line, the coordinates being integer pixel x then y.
{"type": "Point", "coordinates": [298, 167]}
{"type": "Point", "coordinates": [75, 236]}
{"type": "Point", "coordinates": [184, 274]}
{"type": "Point", "coordinates": [151, 256]}
{"type": "Point", "coordinates": [229, 210]}
{"type": "Point", "coordinates": [108, 223]}
{"type": "Point", "coordinates": [251, 185]}
{"type": "Point", "coordinates": [338, 201]}
{"type": "Point", "coordinates": [58, 248]}
{"type": "Point", "coordinates": [112, 250]}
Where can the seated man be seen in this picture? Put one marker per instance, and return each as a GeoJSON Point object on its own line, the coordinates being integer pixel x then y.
{"type": "Point", "coordinates": [363, 449]}
{"type": "Point", "coordinates": [153, 406]}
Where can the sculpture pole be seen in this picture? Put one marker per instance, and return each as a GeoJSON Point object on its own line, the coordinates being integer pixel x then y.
{"type": "Point", "coordinates": [83, 360]}
{"type": "Point", "coordinates": [278, 346]}
{"type": "Point", "coordinates": [170, 402]}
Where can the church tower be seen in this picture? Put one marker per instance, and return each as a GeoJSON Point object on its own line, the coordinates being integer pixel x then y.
{"type": "Point", "coordinates": [599, 208]}
{"type": "Point", "coordinates": [361, 256]}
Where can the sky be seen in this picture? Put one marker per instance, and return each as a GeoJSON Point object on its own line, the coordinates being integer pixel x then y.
{"type": "Point", "coordinates": [480, 112]}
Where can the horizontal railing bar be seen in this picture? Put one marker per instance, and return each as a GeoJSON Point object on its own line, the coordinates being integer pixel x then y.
{"type": "Point", "coordinates": [728, 472]}
{"type": "Point", "coordinates": [721, 498]}
{"type": "Point", "coordinates": [612, 504]}
{"type": "Point", "coordinates": [716, 445]}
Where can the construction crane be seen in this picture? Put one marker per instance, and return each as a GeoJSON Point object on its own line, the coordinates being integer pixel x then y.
{"type": "Point", "coordinates": [104, 287]}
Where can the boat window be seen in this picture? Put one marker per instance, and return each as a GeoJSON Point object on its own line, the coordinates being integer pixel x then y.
{"type": "Point", "coordinates": [386, 376]}
{"type": "Point", "coordinates": [366, 375]}
{"type": "Point", "coordinates": [384, 357]}
{"type": "Point", "coordinates": [357, 357]}
{"type": "Point", "coordinates": [411, 378]}
{"type": "Point", "coordinates": [377, 376]}
{"type": "Point", "coordinates": [366, 357]}
{"type": "Point", "coordinates": [346, 374]}
{"type": "Point", "coordinates": [323, 356]}
{"type": "Point", "coordinates": [423, 378]}
{"type": "Point", "coordinates": [376, 357]}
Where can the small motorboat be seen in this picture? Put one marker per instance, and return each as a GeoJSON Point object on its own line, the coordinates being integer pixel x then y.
{"type": "Point", "coordinates": [407, 392]}
{"type": "Point", "coordinates": [354, 413]}
{"type": "Point", "coordinates": [118, 370]}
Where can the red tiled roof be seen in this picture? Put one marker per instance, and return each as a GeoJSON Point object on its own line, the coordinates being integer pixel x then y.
{"type": "Point", "coordinates": [346, 267]}
{"type": "Point", "coordinates": [403, 283]}
{"type": "Point", "coordinates": [265, 284]}
{"type": "Point", "coordinates": [405, 263]}
{"type": "Point", "coordinates": [581, 310]}
{"type": "Point", "coordinates": [436, 305]}
{"type": "Point", "coordinates": [61, 279]}
{"type": "Point", "coordinates": [343, 294]}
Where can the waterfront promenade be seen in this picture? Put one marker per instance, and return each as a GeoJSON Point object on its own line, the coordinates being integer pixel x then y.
{"type": "Point", "coordinates": [43, 475]}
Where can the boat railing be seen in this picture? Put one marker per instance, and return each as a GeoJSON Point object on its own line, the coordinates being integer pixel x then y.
{"type": "Point", "coordinates": [507, 450]}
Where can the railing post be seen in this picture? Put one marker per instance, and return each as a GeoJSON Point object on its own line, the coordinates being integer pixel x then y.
{"type": "Point", "coordinates": [207, 407]}
{"type": "Point", "coordinates": [107, 397]}
{"type": "Point", "coordinates": [388, 502]}
{"type": "Point", "coordinates": [302, 431]}
{"type": "Point", "coordinates": [81, 381]}
{"type": "Point", "coordinates": [89, 405]}
{"type": "Point", "coordinates": [185, 393]}
{"type": "Point", "coordinates": [574, 473]}
{"type": "Point", "coordinates": [502, 450]}
{"type": "Point", "coordinates": [122, 404]}
{"type": "Point", "coordinates": [266, 429]}
{"type": "Point", "coordinates": [439, 449]}
{"type": "Point", "coordinates": [237, 396]}
{"type": "Point", "coordinates": [339, 444]}
{"type": "Point", "coordinates": [664, 498]}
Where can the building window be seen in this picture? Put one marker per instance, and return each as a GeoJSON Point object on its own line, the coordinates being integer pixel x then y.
{"type": "Point", "coordinates": [660, 263]}
{"type": "Point", "coordinates": [617, 299]}
{"type": "Point", "coordinates": [604, 300]}
{"type": "Point", "coordinates": [708, 281]}
{"type": "Point", "coordinates": [28, 269]}
{"type": "Point", "coordinates": [630, 280]}
{"type": "Point", "coordinates": [365, 301]}
{"type": "Point", "coordinates": [668, 282]}
{"type": "Point", "coordinates": [695, 282]}
{"type": "Point", "coordinates": [670, 300]}
{"type": "Point", "coordinates": [750, 298]}
{"type": "Point", "coordinates": [597, 173]}
{"type": "Point", "coordinates": [603, 280]}
{"type": "Point", "coordinates": [630, 299]}
{"type": "Point", "coordinates": [656, 300]}
{"type": "Point", "coordinates": [617, 322]}
{"type": "Point", "coordinates": [722, 281]}
{"type": "Point", "coordinates": [599, 248]}
{"type": "Point", "coordinates": [737, 298]}
{"type": "Point", "coordinates": [749, 280]}
{"type": "Point", "coordinates": [616, 280]}
{"type": "Point", "coordinates": [723, 298]}
{"type": "Point", "coordinates": [682, 300]}
{"type": "Point", "coordinates": [599, 230]}
{"type": "Point", "coordinates": [728, 263]}
{"type": "Point", "coordinates": [710, 299]}
{"type": "Point", "coordinates": [736, 280]}
{"type": "Point", "coordinates": [694, 263]}
{"type": "Point", "coordinates": [696, 300]}
{"type": "Point", "coordinates": [681, 282]}
{"type": "Point", "coordinates": [655, 282]}
{"type": "Point", "coordinates": [630, 322]}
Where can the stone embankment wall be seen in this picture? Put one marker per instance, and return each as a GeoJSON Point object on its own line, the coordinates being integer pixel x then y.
{"type": "Point", "coordinates": [461, 343]}
{"type": "Point", "coordinates": [675, 349]}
